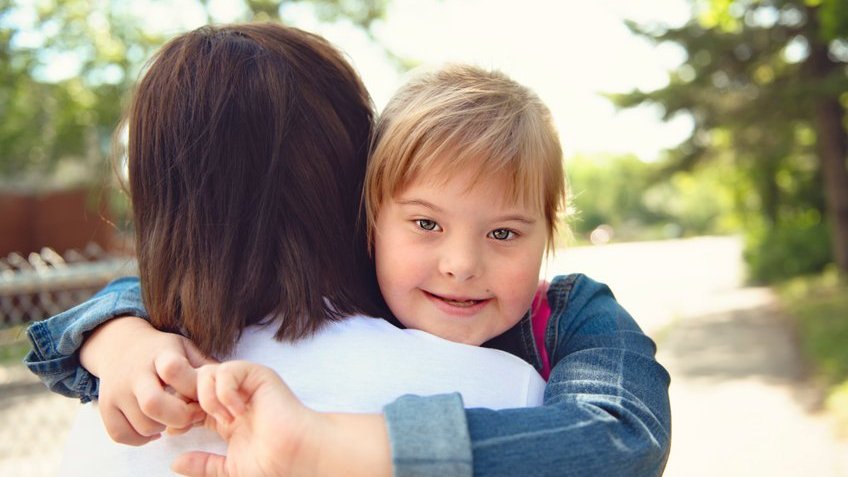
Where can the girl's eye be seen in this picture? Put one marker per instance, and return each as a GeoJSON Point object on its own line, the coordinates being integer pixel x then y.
{"type": "Point", "coordinates": [426, 224]}
{"type": "Point", "coordinates": [502, 234]}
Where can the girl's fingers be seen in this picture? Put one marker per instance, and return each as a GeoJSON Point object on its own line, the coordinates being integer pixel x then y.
{"type": "Point", "coordinates": [200, 464]}
{"type": "Point", "coordinates": [165, 407]}
{"type": "Point", "coordinates": [176, 371]}
{"type": "Point", "coordinates": [120, 429]}
{"type": "Point", "coordinates": [176, 431]}
{"type": "Point", "coordinates": [141, 422]}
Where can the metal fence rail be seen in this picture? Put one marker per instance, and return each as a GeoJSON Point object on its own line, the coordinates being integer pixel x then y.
{"type": "Point", "coordinates": [45, 283]}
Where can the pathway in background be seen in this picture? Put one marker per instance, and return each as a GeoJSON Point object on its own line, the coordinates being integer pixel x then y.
{"type": "Point", "coordinates": [741, 404]}
{"type": "Point", "coordinates": [33, 424]}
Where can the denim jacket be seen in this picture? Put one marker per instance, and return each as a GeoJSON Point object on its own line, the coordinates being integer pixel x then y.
{"type": "Point", "coordinates": [606, 409]}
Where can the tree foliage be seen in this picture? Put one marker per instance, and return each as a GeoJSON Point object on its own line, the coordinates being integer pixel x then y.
{"type": "Point", "coordinates": [60, 120]}
{"type": "Point", "coordinates": [54, 117]}
{"type": "Point", "coordinates": [765, 83]}
{"type": "Point", "coordinates": [624, 193]}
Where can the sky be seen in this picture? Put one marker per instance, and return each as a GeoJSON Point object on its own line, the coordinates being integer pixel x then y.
{"type": "Point", "coordinates": [568, 51]}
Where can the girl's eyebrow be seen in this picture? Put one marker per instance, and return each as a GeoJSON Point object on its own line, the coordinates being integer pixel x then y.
{"type": "Point", "coordinates": [517, 218]}
{"type": "Point", "coordinates": [505, 218]}
{"type": "Point", "coordinates": [419, 202]}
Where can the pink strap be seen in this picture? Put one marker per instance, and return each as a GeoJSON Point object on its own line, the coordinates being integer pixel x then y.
{"type": "Point", "coordinates": [539, 315]}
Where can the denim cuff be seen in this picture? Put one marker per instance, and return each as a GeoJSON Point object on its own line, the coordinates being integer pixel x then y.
{"type": "Point", "coordinates": [62, 374]}
{"type": "Point", "coordinates": [437, 445]}
{"type": "Point", "coordinates": [54, 356]}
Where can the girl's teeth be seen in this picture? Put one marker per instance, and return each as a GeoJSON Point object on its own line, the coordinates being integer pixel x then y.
{"type": "Point", "coordinates": [464, 303]}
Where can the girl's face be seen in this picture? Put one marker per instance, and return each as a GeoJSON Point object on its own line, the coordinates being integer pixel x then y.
{"type": "Point", "coordinates": [458, 261]}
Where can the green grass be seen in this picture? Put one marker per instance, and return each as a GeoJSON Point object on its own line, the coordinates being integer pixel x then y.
{"type": "Point", "coordinates": [13, 345]}
{"type": "Point", "coordinates": [819, 307]}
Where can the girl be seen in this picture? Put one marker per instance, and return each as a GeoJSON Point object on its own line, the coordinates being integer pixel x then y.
{"type": "Point", "coordinates": [606, 406]}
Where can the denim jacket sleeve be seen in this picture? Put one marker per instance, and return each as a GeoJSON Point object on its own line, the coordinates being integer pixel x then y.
{"type": "Point", "coordinates": [606, 409]}
{"type": "Point", "coordinates": [54, 356]}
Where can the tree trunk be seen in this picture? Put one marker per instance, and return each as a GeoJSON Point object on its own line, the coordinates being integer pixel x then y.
{"type": "Point", "coordinates": [832, 149]}
{"type": "Point", "coordinates": [832, 146]}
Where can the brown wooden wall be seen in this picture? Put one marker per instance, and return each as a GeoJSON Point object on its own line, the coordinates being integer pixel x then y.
{"type": "Point", "coordinates": [61, 220]}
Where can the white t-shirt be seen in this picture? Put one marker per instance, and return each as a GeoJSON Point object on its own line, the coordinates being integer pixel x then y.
{"type": "Point", "coordinates": [358, 364]}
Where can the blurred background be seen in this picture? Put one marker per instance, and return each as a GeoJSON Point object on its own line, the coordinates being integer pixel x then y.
{"type": "Point", "coordinates": [705, 145]}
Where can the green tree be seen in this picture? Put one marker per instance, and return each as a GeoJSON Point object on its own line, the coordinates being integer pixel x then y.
{"type": "Point", "coordinates": [629, 195]}
{"type": "Point", "coordinates": [50, 121]}
{"type": "Point", "coordinates": [608, 190]}
{"type": "Point", "coordinates": [765, 83]}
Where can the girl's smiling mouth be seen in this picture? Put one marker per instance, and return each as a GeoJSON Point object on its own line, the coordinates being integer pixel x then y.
{"type": "Point", "coordinates": [457, 303]}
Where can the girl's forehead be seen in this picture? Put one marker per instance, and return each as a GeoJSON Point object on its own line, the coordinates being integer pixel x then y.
{"type": "Point", "coordinates": [504, 188]}
{"type": "Point", "coordinates": [468, 177]}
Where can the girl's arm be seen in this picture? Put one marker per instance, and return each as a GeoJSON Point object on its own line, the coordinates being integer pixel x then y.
{"type": "Point", "coordinates": [72, 350]}
{"type": "Point", "coordinates": [606, 409]}
{"type": "Point", "coordinates": [54, 356]}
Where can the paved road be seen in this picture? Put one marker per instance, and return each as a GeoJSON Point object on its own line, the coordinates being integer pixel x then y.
{"type": "Point", "coordinates": [741, 403]}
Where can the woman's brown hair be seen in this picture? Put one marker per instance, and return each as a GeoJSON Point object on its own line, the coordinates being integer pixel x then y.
{"type": "Point", "coordinates": [247, 153]}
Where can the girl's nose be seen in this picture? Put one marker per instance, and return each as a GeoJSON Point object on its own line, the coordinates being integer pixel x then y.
{"type": "Point", "coordinates": [460, 261]}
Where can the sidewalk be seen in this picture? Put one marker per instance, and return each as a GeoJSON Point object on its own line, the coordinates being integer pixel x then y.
{"type": "Point", "coordinates": [742, 402]}
{"type": "Point", "coordinates": [33, 424]}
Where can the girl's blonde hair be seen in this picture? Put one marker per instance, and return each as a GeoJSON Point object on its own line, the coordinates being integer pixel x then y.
{"type": "Point", "coordinates": [461, 117]}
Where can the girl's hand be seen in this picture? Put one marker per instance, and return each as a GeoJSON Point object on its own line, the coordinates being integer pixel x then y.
{"type": "Point", "coordinates": [269, 432]}
{"type": "Point", "coordinates": [147, 379]}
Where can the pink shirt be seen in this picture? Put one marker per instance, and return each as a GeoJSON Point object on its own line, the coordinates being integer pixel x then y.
{"type": "Point", "coordinates": [540, 313]}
